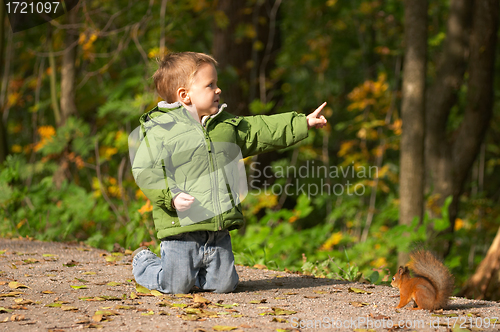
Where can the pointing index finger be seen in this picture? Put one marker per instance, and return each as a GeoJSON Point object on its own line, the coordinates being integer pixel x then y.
{"type": "Point", "coordinates": [319, 109]}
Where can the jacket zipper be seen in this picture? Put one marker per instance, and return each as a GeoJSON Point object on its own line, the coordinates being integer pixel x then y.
{"type": "Point", "coordinates": [213, 179]}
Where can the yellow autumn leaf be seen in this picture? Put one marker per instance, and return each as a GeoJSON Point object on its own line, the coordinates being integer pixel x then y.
{"type": "Point", "coordinates": [224, 328]}
{"type": "Point", "coordinates": [332, 241]}
{"type": "Point", "coordinates": [147, 207]}
{"type": "Point", "coordinates": [15, 285]}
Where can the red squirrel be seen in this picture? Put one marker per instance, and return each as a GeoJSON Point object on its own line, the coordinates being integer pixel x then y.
{"type": "Point", "coordinates": [431, 285]}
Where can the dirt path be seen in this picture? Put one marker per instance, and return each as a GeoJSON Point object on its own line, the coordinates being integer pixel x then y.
{"type": "Point", "coordinates": [47, 286]}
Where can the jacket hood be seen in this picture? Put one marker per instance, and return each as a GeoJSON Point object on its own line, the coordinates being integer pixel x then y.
{"type": "Point", "coordinates": [156, 115]}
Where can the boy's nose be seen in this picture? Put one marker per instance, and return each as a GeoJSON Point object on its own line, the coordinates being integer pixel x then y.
{"type": "Point", "coordinates": [218, 91]}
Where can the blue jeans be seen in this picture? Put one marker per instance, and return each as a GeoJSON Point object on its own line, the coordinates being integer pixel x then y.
{"type": "Point", "coordinates": [203, 258]}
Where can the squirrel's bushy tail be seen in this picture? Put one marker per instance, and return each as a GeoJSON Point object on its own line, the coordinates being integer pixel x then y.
{"type": "Point", "coordinates": [425, 264]}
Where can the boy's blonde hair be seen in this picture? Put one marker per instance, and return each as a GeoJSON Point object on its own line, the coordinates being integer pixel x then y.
{"type": "Point", "coordinates": [177, 70]}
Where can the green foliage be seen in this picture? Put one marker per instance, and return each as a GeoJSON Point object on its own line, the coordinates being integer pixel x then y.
{"type": "Point", "coordinates": [345, 53]}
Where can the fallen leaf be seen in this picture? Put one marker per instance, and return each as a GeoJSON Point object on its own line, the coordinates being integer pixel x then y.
{"type": "Point", "coordinates": [2, 252]}
{"type": "Point", "coordinates": [260, 266]}
{"type": "Point", "coordinates": [88, 273]}
{"type": "Point", "coordinates": [112, 259]}
{"type": "Point", "coordinates": [56, 304]}
{"type": "Point", "coordinates": [149, 313]}
{"type": "Point", "coordinates": [199, 299]}
{"type": "Point", "coordinates": [17, 318]}
{"type": "Point", "coordinates": [113, 283]}
{"type": "Point", "coordinates": [224, 328]}
{"type": "Point", "coordinates": [278, 311]}
{"type": "Point", "coordinates": [17, 307]}
{"type": "Point", "coordinates": [79, 287]}
{"type": "Point", "coordinates": [11, 294]}
{"type": "Point", "coordinates": [15, 285]}
{"type": "Point", "coordinates": [156, 293]}
{"type": "Point", "coordinates": [359, 304]}
{"type": "Point", "coordinates": [189, 317]}
{"type": "Point", "coordinates": [258, 301]}
{"type": "Point", "coordinates": [141, 290]}
{"type": "Point", "coordinates": [107, 312]}
{"type": "Point", "coordinates": [68, 308]}
{"type": "Point", "coordinates": [48, 292]}
{"type": "Point", "coordinates": [23, 301]}
{"type": "Point", "coordinates": [31, 261]}
{"type": "Point", "coordinates": [100, 298]}
{"type": "Point", "coordinates": [123, 307]}
{"type": "Point", "coordinates": [279, 320]}
{"type": "Point", "coordinates": [5, 310]}
{"type": "Point", "coordinates": [82, 280]}
{"type": "Point", "coordinates": [358, 291]}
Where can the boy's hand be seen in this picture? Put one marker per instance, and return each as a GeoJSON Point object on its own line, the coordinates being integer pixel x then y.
{"type": "Point", "coordinates": [183, 201]}
{"type": "Point", "coordinates": [314, 120]}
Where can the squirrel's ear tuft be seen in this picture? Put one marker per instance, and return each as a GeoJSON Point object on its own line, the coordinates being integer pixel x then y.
{"type": "Point", "coordinates": [406, 269]}
{"type": "Point", "coordinates": [401, 270]}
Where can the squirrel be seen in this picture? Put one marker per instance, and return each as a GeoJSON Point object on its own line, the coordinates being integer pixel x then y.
{"type": "Point", "coordinates": [431, 286]}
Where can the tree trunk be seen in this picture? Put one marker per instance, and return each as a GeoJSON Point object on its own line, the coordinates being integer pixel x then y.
{"type": "Point", "coordinates": [53, 78]}
{"type": "Point", "coordinates": [68, 87]}
{"type": "Point", "coordinates": [4, 149]}
{"type": "Point", "coordinates": [483, 285]}
{"type": "Point", "coordinates": [449, 162]}
{"type": "Point", "coordinates": [233, 55]}
{"type": "Point", "coordinates": [163, 9]}
{"type": "Point", "coordinates": [442, 96]}
{"type": "Point", "coordinates": [412, 113]}
{"type": "Point", "coordinates": [68, 68]}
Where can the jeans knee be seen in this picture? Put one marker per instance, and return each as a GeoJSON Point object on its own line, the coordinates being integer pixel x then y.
{"type": "Point", "coordinates": [227, 287]}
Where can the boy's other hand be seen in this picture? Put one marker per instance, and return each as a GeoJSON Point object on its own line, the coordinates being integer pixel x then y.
{"type": "Point", "coordinates": [183, 201]}
{"type": "Point", "coordinates": [316, 120]}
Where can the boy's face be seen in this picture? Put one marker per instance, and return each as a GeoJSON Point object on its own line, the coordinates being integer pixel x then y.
{"type": "Point", "coordinates": [203, 92]}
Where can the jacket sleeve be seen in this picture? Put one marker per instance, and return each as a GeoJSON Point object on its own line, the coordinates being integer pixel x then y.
{"type": "Point", "coordinates": [264, 133]}
{"type": "Point", "coordinates": [151, 175]}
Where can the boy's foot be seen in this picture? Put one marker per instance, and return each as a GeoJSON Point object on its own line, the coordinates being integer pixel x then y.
{"type": "Point", "coordinates": [136, 251]}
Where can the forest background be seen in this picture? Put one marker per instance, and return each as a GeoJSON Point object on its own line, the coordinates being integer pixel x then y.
{"type": "Point", "coordinates": [73, 89]}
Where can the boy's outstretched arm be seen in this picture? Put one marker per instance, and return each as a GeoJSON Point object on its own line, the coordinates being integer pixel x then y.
{"type": "Point", "coordinates": [315, 120]}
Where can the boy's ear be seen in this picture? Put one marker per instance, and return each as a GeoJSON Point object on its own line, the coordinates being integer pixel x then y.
{"type": "Point", "coordinates": [183, 96]}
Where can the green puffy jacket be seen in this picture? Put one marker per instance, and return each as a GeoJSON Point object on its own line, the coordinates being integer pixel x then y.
{"type": "Point", "coordinates": [172, 153]}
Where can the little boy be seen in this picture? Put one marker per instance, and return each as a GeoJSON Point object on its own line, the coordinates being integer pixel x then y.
{"type": "Point", "coordinates": [187, 161]}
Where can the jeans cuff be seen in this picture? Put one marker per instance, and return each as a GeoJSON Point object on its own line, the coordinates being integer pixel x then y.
{"type": "Point", "coordinates": [140, 254]}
